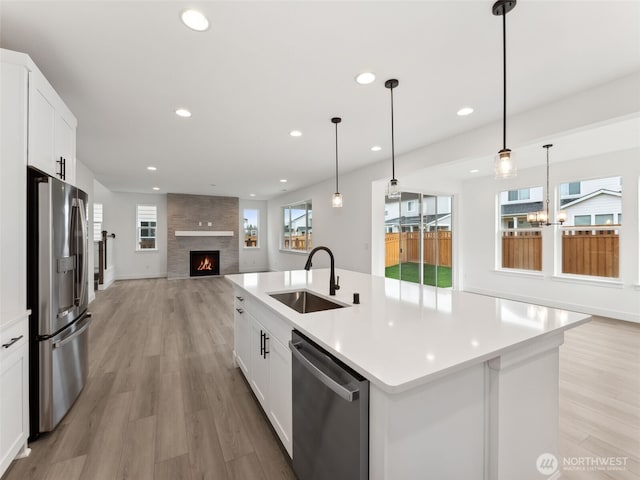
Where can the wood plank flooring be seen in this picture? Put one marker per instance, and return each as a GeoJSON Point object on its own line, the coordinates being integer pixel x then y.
{"type": "Point", "coordinates": [164, 400]}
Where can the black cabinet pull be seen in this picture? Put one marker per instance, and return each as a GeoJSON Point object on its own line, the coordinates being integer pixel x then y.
{"type": "Point", "coordinates": [239, 310]}
{"type": "Point", "coordinates": [265, 351]}
{"type": "Point", "coordinates": [60, 162]}
{"type": "Point", "coordinates": [261, 343]}
{"type": "Point", "coordinates": [64, 168]}
{"type": "Point", "coordinates": [12, 341]}
{"type": "Point", "coordinates": [240, 298]}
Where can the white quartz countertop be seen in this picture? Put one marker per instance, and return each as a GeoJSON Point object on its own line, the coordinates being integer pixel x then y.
{"type": "Point", "coordinates": [402, 334]}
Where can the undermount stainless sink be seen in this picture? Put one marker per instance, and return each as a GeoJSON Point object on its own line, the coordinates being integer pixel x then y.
{"type": "Point", "coordinates": [303, 301]}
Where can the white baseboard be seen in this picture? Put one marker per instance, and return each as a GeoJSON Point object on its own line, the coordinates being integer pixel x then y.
{"type": "Point", "coordinates": [141, 276]}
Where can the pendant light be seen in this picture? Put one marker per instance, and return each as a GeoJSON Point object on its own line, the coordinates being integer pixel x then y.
{"type": "Point", "coordinates": [504, 164]}
{"type": "Point", "coordinates": [336, 201]}
{"type": "Point", "coordinates": [542, 218]}
{"type": "Point", "coordinates": [393, 189]}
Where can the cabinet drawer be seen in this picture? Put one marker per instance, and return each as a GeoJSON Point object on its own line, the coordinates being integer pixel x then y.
{"type": "Point", "coordinates": [13, 337]}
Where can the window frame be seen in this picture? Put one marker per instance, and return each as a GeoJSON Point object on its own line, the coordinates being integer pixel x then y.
{"type": "Point", "coordinates": [244, 229]}
{"type": "Point", "coordinates": [286, 226]}
{"type": "Point", "coordinates": [518, 235]}
{"type": "Point", "coordinates": [139, 227]}
{"type": "Point", "coordinates": [585, 241]}
{"type": "Point", "coordinates": [97, 236]}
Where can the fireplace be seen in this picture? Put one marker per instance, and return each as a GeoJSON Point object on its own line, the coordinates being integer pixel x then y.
{"type": "Point", "coordinates": [204, 263]}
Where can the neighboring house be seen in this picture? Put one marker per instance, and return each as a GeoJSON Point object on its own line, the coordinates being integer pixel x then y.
{"type": "Point", "coordinates": [405, 214]}
{"type": "Point", "coordinates": [588, 202]}
{"type": "Point", "coordinates": [602, 207]}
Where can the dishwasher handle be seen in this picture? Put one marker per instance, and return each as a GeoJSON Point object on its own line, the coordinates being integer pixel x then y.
{"type": "Point", "coordinates": [349, 393]}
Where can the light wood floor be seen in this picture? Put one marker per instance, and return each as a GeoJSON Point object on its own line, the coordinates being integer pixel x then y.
{"type": "Point", "coordinates": [164, 401]}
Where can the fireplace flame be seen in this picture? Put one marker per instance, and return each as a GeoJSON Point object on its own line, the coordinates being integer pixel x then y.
{"type": "Point", "coordinates": [205, 264]}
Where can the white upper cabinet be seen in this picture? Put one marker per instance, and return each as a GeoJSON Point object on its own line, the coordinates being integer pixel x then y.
{"type": "Point", "coordinates": [52, 131]}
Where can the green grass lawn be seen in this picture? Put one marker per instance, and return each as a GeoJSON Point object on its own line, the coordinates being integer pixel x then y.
{"type": "Point", "coordinates": [410, 273]}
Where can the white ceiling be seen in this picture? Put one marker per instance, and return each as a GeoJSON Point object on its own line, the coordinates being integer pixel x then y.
{"type": "Point", "coordinates": [265, 68]}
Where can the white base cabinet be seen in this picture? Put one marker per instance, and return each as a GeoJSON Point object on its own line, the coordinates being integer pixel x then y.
{"type": "Point", "coordinates": [263, 355]}
{"type": "Point", "coordinates": [14, 390]}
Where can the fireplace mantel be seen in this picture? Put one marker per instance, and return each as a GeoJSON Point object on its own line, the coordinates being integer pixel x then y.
{"type": "Point", "coordinates": [204, 233]}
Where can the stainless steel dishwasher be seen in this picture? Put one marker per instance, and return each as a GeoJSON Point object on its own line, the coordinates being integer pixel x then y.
{"type": "Point", "coordinates": [330, 415]}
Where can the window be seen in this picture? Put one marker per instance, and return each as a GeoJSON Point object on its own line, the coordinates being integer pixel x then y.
{"type": "Point", "coordinates": [411, 206]}
{"type": "Point", "coordinates": [522, 194]}
{"type": "Point", "coordinates": [593, 250]}
{"type": "Point", "coordinates": [521, 244]}
{"type": "Point", "coordinates": [604, 219]}
{"type": "Point", "coordinates": [297, 227]}
{"type": "Point", "coordinates": [567, 189]}
{"type": "Point", "coordinates": [146, 224]}
{"type": "Point", "coordinates": [582, 220]}
{"type": "Point", "coordinates": [251, 228]}
{"type": "Point", "coordinates": [97, 222]}
{"type": "Point", "coordinates": [418, 247]}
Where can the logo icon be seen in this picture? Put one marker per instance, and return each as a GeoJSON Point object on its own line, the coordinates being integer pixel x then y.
{"type": "Point", "coordinates": [547, 464]}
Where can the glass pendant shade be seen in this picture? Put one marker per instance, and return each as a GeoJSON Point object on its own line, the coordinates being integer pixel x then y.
{"type": "Point", "coordinates": [505, 165]}
{"type": "Point", "coordinates": [562, 216]}
{"type": "Point", "coordinates": [336, 201]}
{"type": "Point", "coordinates": [393, 189]}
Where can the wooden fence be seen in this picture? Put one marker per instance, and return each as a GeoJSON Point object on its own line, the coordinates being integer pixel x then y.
{"type": "Point", "coordinates": [591, 251]}
{"type": "Point", "coordinates": [298, 242]}
{"type": "Point", "coordinates": [404, 247]}
{"type": "Point", "coordinates": [522, 249]}
{"type": "Point", "coordinates": [585, 251]}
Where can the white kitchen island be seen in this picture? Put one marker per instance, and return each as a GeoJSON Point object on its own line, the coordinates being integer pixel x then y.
{"type": "Point", "coordinates": [462, 386]}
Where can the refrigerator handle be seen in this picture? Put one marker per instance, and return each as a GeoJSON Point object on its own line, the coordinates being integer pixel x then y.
{"type": "Point", "coordinates": [80, 251]}
{"type": "Point", "coordinates": [83, 241]}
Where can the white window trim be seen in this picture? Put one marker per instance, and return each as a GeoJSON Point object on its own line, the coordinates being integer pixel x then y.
{"type": "Point", "coordinates": [137, 227]}
{"type": "Point", "coordinates": [258, 236]}
{"type": "Point", "coordinates": [281, 247]}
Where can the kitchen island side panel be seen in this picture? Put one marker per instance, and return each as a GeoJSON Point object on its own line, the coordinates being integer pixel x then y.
{"type": "Point", "coordinates": [434, 431]}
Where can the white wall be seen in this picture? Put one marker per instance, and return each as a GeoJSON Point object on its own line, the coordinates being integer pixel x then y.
{"type": "Point", "coordinates": [84, 181]}
{"type": "Point", "coordinates": [618, 299]}
{"type": "Point", "coordinates": [254, 259]}
{"type": "Point", "coordinates": [119, 215]}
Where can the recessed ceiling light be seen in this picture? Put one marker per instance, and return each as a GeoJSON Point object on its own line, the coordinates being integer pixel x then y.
{"type": "Point", "coordinates": [365, 78]}
{"type": "Point", "coordinates": [283, 180]}
{"type": "Point", "coordinates": [464, 111]}
{"type": "Point", "coordinates": [474, 170]}
{"type": "Point", "coordinates": [252, 194]}
{"type": "Point", "coordinates": [376, 148]}
{"type": "Point", "coordinates": [183, 112]}
{"type": "Point", "coordinates": [156, 188]}
{"type": "Point", "coordinates": [195, 20]}
{"type": "Point", "coordinates": [295, 133]}
{"type": "Point", "coordinates": [152, 168]}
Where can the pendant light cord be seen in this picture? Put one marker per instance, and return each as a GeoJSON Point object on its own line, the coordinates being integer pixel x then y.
{"type": "Point", "coordinates": [547, 148]}
{"type": "Point", "coordinates": [504, 80]}
{"type": "Point", "coordinates": [393, 148]}
{"type": "Point", "coordinates": [337, 190]}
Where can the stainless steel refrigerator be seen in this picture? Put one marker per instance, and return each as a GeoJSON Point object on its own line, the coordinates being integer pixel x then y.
{"type": "Point", "coordinates": [57, 237]}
